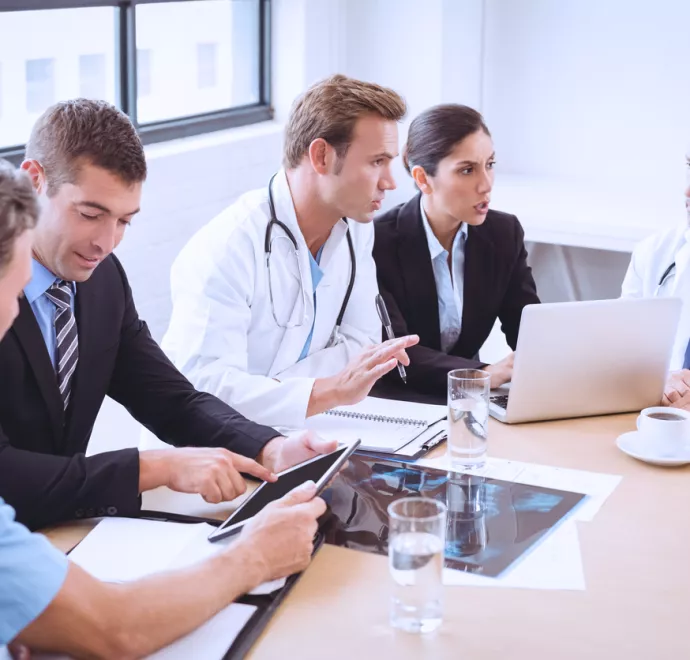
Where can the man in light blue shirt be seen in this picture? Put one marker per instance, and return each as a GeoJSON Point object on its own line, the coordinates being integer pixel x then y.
{"type": "Point", "coordinates": [31, 574]}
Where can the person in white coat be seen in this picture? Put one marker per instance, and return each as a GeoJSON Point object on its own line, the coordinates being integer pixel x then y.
{"type": "Point", "coordinates": [660, 266]}
{"type": "Point", "coordinates": [274, 300]}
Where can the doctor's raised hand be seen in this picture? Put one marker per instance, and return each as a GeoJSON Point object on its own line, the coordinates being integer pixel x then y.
{"type": "Point", "coordinates": [355, 381]}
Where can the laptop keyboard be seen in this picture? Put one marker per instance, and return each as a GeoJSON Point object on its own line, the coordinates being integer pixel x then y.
{"type": "Point", "coordinates": [501, 400]}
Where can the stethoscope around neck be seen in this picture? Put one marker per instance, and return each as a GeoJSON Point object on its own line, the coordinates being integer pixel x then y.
{"type": "Point", "coordinates": [268, 247]}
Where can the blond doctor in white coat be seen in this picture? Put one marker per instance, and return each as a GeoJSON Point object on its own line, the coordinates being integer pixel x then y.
{"type": "Point", "coordinates": [660, 266]}
{"type": "Point", "coordinates": [261, 331]}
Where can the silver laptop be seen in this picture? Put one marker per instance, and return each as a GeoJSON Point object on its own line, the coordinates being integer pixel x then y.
{"type": "Point", "coordinates": [589, 358]}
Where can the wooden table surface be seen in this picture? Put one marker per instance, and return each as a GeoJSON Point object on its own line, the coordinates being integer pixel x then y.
{"type": "Point", "coordinates": [635, 553]}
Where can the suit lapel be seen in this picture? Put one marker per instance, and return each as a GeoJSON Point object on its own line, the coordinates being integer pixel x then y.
{"type": "Point", "coordinates": [29, 335]}
{"type": "Point", "coordinates": [418, 274]}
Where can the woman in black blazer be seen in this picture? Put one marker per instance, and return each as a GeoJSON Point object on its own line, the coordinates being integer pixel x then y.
{"type": "Point", "coordinates": [451, 302]}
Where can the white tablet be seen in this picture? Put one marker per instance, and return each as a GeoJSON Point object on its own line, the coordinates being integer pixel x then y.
{"type": "Point", "coordinates": [320, 470]}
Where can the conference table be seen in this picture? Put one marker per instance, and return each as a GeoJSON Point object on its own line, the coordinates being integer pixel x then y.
{"type": "Point", "coordinates": [635, 554]}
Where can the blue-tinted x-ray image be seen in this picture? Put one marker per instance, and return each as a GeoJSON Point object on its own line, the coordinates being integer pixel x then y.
{"type": "Point", "coordinates": [490, 523]}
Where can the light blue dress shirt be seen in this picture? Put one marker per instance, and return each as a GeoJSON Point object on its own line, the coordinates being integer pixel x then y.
{"type": "Point", "coordinates": [44, 310]}
{"type": "Point", "coordinates": [449, 289]}
{"type": "Point", "coordinates": [31, 573]}
{"type": "Point", "coordinates": [316, 277]}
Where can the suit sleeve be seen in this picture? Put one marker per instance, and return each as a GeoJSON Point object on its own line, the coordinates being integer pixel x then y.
{"type": "Point", "coordinates": [158, 396]}
{"type": "Point", "coordinates": [428, 369]}
{"type": "Point", "coordinates": [46, 489]}
{"type": "Point", "coordinates": [520, 292]}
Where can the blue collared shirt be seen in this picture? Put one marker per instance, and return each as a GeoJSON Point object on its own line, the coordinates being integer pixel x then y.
{"type": "Point", "coordinates": [449, 289]}
{"type": "Point", "coordinates": [31, 574]}
{"type": "Point", "coordinates": [316, 277]}
{"type": "Point", "coordinates": [44, 310]}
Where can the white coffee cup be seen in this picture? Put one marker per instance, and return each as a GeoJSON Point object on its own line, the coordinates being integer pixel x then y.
{"type": "Point", "coordinates": [666, 429]}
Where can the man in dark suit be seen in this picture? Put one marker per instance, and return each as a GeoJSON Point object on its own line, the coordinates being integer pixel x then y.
{"type": "Point", "coordinates": [78, 338]}
{"type": "Point", "coordinates": [448, 266]}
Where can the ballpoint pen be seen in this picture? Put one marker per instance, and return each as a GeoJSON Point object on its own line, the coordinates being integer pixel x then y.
{"type": "Point", "coordinates": [386, 322]}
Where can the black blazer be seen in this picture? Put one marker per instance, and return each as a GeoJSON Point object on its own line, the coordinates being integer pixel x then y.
{"type": "Point", "coordinates": [498, 283]}
{"type": "Point", "coordinates": [44, 474]}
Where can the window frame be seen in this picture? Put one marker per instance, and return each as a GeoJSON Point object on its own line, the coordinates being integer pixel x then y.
{"type": "Point", "coordinates": [126, 56]}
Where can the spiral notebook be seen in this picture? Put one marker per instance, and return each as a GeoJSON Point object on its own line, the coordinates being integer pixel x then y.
{"type": "Point", "coordinates": [383, 425]}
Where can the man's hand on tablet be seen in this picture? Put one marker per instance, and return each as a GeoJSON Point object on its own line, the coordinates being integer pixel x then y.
{"type": "Point", "coordinates": [213, 473]}
{"type": "Point", "coordinates": [279, 541]}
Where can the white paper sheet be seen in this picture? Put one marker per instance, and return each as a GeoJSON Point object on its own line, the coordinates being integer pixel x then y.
{"type": "Point", "coordinates": [554, 564]}
{"type": "Point", "coordinates": [126, 549]}
{"type": "Point", "coordinates": [210, 641]}
{"type": "Point", "coordinates": [597, 486]}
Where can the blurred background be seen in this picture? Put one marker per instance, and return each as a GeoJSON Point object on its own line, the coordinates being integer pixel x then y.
{"type": "Point", "coordinates": [588, 102]}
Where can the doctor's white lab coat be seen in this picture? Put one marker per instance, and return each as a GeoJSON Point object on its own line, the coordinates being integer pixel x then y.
{"type": "Point", "coordinates": [650, 259]}
{"type": "Point", "coordinates": [222, 333]}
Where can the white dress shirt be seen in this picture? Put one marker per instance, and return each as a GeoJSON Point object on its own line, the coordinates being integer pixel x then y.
{"type": "Point", "coordinates": [449, 286]}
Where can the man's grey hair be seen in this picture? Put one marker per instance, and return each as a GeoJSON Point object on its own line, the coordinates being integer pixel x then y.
{"type": "Point", "coordinates": [18, 209]}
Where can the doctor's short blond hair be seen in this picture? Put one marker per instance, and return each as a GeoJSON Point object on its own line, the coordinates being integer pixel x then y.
{"type": "Point", "coordinates": [330, 109]}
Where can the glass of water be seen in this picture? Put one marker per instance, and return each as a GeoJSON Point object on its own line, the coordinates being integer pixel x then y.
{"type": "Point", "coordinates": [417, 529]}
{"type": "Point", "coordinates": [468, 417]}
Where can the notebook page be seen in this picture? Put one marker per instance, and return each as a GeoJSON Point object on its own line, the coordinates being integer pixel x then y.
{"type": "Point", "coordinates": [375, 436]}
{"type": "Point", "coordinates": [426, 412]}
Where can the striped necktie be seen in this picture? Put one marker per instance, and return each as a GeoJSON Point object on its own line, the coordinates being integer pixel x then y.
{"type": "Point", "coordinates": [66, 339]}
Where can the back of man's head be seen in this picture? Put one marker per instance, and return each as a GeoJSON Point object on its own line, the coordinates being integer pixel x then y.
{"type": "Point", "coordinates": [72, 133]}
{"type": "Point", "coordinates": [18, 210]}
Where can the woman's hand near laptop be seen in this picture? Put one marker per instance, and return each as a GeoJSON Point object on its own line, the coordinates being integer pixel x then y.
{"type": "Point", "coordinates": [677, 392]}
{"type": "Point", "coordinates": [502, 371]}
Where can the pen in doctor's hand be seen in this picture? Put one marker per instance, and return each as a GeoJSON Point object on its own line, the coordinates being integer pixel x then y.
{"type": "Point", "coordinates": [386, 322]}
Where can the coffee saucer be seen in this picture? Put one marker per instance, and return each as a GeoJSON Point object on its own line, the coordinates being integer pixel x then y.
{"type": "Point", "coordinates": [633, 445]}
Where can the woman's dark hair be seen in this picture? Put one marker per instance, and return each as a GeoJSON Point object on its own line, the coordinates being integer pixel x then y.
{"type": "Point", "coordinates": [436, 132]}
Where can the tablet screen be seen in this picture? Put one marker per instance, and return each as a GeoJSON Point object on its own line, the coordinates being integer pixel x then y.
{"type": "Point", "coordinates": [314, 470]}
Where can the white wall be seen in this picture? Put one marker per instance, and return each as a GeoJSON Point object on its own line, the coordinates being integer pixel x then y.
{"type": "Point", "coordinates": [597, 91]}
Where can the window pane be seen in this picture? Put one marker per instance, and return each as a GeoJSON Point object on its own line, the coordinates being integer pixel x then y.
{"type": "Point", "coordinates": [52, 55]}
{"type": "Point", "coordinates": [40, 84]}
{"type": "Point", "coordinates": [92, 76]}
{"type": "Point", "coordinates": [206, 58]}
{"type": "Point", "coordinates": [143, 72]}
{"type": "Point", "coordinates": [207, 63]}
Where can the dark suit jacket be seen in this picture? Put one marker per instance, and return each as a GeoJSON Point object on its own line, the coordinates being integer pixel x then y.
{"type": "Point", "coordinates": [498, 284]}
{"type": "Point", "coordinates": [44, 474]}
